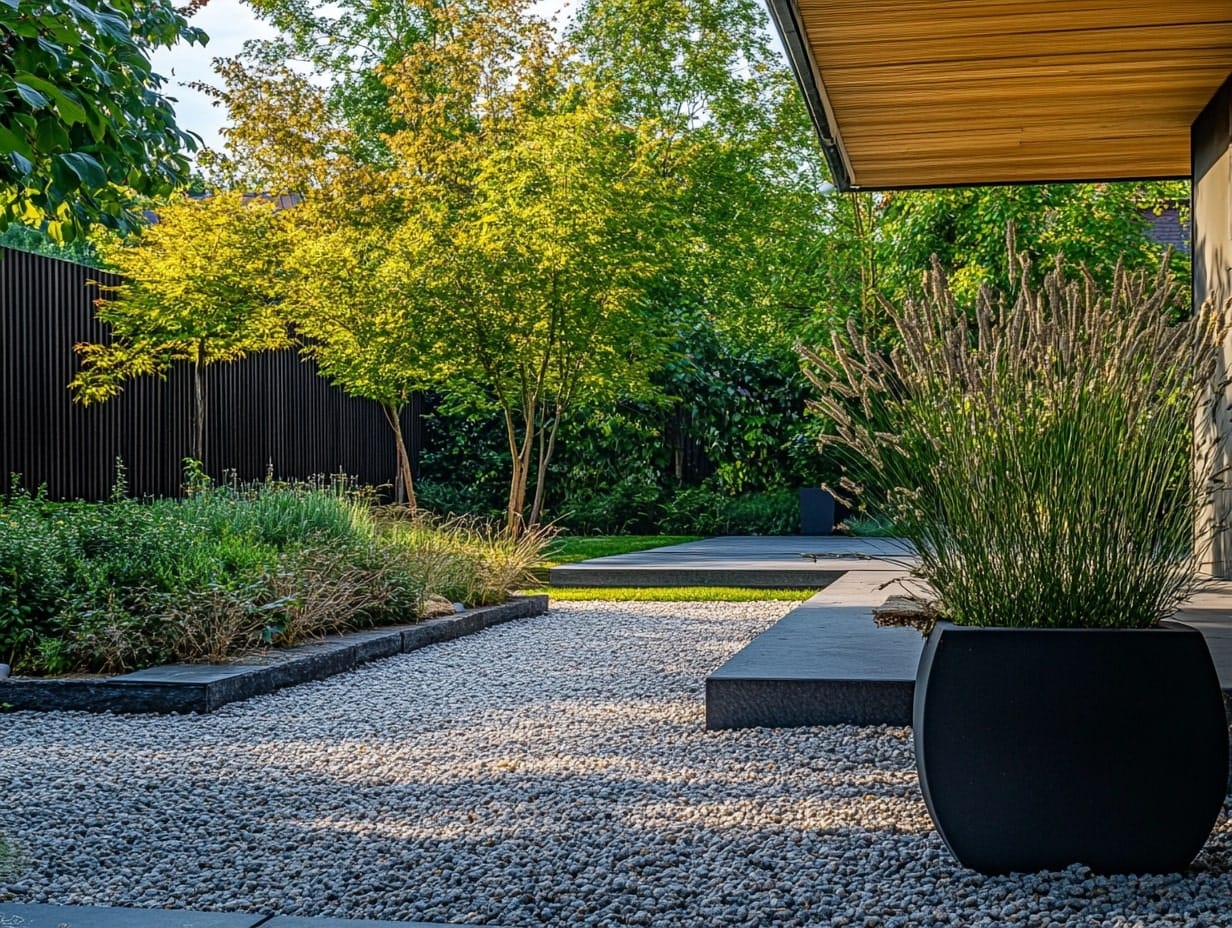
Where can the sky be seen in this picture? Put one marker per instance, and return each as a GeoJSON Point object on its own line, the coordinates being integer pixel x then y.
{"type": "Point", "coordinates": [229, 24]}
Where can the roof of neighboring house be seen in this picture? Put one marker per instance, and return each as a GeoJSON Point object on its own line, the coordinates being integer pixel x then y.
{"type": "Point", "coordinates": [919, 93]}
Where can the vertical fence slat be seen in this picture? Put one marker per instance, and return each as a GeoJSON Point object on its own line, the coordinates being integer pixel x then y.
{"type": "Point", "coordinates": [270, 408]}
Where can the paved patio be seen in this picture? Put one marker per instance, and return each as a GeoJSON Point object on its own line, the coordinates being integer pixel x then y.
{"type": "Point", "coordinates": [763, 562]}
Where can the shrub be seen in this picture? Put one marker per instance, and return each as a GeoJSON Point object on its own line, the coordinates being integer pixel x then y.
{"type": "Point", "coordinates": [114, 586]}
{"type": "Point", "coordinates": [774, 512]}
{"type": "Point", "coordinates": [630, 506]}
{"type": "Point", "coordinates": [707, 511]}
{"type": "Point", "coordinates": [465, 560]}
{"type": "Point", "coordinates": [1040, 455]}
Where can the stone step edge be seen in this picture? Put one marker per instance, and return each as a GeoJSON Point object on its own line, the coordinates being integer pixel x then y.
{"type": "Point", "coordinates": [203, 688]}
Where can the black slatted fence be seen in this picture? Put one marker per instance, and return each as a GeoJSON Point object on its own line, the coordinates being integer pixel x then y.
{"type": "Point", "coordinates": [271, 411]}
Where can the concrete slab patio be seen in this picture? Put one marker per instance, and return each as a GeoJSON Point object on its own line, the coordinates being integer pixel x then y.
{"type": "Point", "coordinates": [827, 663]}
{"type": "Point", "coordinates": [761, 562]}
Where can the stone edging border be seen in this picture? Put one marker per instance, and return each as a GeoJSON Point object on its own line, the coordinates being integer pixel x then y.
{"type": "Point", "coordinates": [202, 688]}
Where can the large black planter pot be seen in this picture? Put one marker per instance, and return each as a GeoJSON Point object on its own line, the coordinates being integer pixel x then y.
{"type": "Point", "coordinates": [1041, 748]}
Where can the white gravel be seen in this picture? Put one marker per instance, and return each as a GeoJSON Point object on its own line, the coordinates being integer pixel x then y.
{"type": "Point", "coordinates": [552, 771]}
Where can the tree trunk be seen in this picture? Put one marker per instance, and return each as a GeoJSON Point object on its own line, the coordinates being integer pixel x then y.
{"type": "Point", "coordinates": [514, 519]}
{"type": "Point", "coordinates": [546, 451]}
{"type": "Point", "coordinates": [198, 423]}
{"type": "Point", "coordinates": [393, 414]}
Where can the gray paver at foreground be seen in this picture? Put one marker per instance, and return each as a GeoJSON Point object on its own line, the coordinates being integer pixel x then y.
{"type": "Point", "coordinates": [19, 915]}
{"type": "Point", "coordinates": [825, 663]}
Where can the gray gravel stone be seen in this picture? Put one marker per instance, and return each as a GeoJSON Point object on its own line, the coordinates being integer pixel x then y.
{"type": "Point", "coordinates": [550, 772]}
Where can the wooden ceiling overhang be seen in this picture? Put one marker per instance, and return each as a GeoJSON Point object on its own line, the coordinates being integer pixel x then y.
{"type": "Point", "coordinates": [912, 93]}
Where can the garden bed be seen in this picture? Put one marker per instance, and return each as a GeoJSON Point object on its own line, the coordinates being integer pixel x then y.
{"type": "Point", "coordinates": [203, 688]}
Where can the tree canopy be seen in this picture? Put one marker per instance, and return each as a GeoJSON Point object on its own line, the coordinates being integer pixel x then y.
{"type": "Point", "coordinates": [84, 125]}
{"type": "Point", "coordinates": [199, 285]}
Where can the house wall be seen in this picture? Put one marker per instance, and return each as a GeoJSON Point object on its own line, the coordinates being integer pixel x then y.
{"type": "Point", "coordinates": [1212, 238]}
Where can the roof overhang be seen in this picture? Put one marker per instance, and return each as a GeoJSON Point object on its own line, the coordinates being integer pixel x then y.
{"type": "Point", "coordinates": [932, 93]}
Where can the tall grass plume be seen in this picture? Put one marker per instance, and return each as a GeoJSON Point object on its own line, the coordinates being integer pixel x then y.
{"type": "Point", "coordinates": [1040, 452]}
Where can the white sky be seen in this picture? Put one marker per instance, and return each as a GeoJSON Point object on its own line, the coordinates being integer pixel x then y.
{"type": "Point", "coordinates": [229, 24]}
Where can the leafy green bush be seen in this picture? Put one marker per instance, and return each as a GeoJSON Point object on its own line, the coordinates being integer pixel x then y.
{"type": "Point", "coordinates": [114, 586]}
{"type": "Point", "coordinates": [630, 506]}
{"type": "Point", "coordinates": [871, 526]}
{"type": "Point", "coordinates": [1040, 456]}
{"type": "Point", "coordinates": [707, 511]}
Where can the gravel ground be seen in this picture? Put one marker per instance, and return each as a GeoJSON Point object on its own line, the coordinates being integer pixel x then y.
{"type": "Point", "coordinates": [553, 771]}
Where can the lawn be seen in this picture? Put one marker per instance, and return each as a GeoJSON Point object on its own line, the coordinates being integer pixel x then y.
{"type": "Point", "coordinates": [569, 549]}
{"type": "Point", "coordinates": [677, 594]}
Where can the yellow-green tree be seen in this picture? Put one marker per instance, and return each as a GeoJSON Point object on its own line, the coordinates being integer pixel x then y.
{"type": "Point", "coordinates": [541, 282]}
{"type": "Point", "coordinates": [200, 285]}
{"type": "Point", "coordinates": [357, 299]}
{"type": "Point", "coordinates": [495, 248]}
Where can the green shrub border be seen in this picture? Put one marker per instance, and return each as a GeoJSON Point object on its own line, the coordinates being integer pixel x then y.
{"type": "Point", "coordinates": [203, 688]}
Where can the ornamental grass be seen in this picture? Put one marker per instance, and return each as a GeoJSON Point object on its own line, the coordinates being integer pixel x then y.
{"type": "Point", "coordinates": [1039, 451]}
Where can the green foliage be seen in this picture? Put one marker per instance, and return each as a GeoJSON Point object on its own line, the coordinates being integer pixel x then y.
{"type": "Point", "coordinates": [464, 560]}
{"type": "Point", "coordinates": [542, 206]}
{"type": "Point", "coordinates": [83, 125]}
{"type": "Point", "coordinates": [631, 505]}
{"type": "Point", "coordinates": [1038, 455]}
{"type": "Point", "coordinates": [1096, 226]}
{"type": "Point", "coordinates": [707, 511]}
{"type": "Point", "coordinates": [871, 526]}
{"type": "Point", "coordinates": [24, 238]}
{"type": "Point", "coordinates": [125, 584]}
{"type": "Point", "coordinates": [200, 285]}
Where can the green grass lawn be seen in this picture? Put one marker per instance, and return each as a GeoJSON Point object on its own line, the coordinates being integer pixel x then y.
{"type": "Point", "coordinates": [569, 549]}
{"type": "Point", "coordinates": [675, 594]}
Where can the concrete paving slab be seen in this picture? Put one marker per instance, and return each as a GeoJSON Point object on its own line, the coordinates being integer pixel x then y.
{"type": "Point", "coordinates": [826, 663]}
{"type": "Point", "coordinates": [821, 664]}
{"type": "Point", "coordinates": [22, 915]}
{"type": "Point", "coordinates": [783, 561]}
{"type": "Point", "coordinates": [1210, 611]}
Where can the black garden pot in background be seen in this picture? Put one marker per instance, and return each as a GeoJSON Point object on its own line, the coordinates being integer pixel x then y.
{"type": "Point", "coordinates": [1041, 748]}
{"type": "Point", "coordinates": [816, 511]}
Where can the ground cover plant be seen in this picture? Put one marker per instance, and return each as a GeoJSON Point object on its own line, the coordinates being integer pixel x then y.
{"type": "Point", "coordinates": [109, 587]}
{"type": "Point", "coordinates": [1039, 452]}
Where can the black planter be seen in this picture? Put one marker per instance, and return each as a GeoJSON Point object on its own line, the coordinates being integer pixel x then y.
{"type": "Point", "coordinates": [816, 511]}
{"type": "Point", "coordinates": [1041, 748]}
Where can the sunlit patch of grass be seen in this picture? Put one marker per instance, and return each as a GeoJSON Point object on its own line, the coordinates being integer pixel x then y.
{"type": "Point", "coordinates": [676, 594]}
{"type": "Point", "coordinates": [569, 549]}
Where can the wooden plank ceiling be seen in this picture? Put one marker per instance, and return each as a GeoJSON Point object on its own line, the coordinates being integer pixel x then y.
{"type": "Point", "coordinates": [914, 93]}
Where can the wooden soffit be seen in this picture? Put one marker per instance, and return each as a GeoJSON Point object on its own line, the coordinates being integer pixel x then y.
{"type": "Point", "coordinates": [911, 93]}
